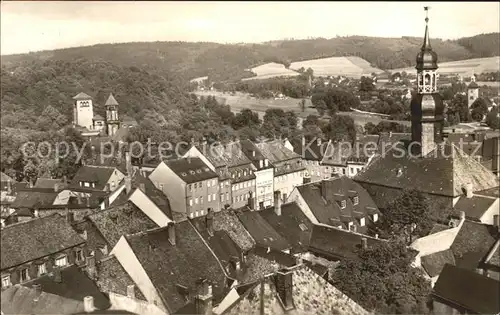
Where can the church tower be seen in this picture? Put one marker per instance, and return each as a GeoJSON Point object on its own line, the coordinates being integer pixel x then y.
{"type": "Point", "coordinates": [112, 121]}
{"type": "Point", "coordinates": [427, 110]}
{"type": "Point", "coordinates": [472, 91]}
{"type": "Point", "coordinates": [83, 111]}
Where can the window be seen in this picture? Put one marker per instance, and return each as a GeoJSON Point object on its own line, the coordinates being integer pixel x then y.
{"type": "Point", "coordinates": [209, 198]}
{"type": "Point", "coordinates": [342, 204]}
{"type": "Point", "coordinates": [62, 261]}
{"type": "Point", "coordinates": [161, 187]}
{"type": "Point", "coordinates": [190, 187]}
{"type": "Point", "coordinates": [196, 200]}
{"type": "Point", "coordinates": [375, 217]}
{"type": "Point", "coordinates": [191, 215]}
{"type": "Point", "coordinates": [221, 197]}
{"type": "Point", "coordinates": [41, 269]}
{"type": "Point", "coordinates": [213, 182]}
{"type": "Point", "coordinates": [202, 212]}
{"type": "Point", "coordinates": [86, 184]}
{"type": "Point", "coordinates": [79, 255]}
{"type": "Point", "coordinates": [190, 201]}
{"type": "Point", "coordinates": [208, 184]}
{"type": "Point", "coordinates": [244, 173]}
{"type": "Point", "coordinates": [221, 185]}
{"type": "Point", "coordinates": [228, 183]}
{"type": "Point", "coordinates": [6, 281]}
{"type": "Point", "coordinates": [196, 214]}
{"type": "Point", "coordinates": [355, 200]}
{"type": "Point", "coordinates": [201, 200]}
{"type": "Point", "coordinates": [362, 222]}
{"type": "Point", "coordinates": [24, 275]}
{"type": "Point", "coordinates": [201, 185]}
{"type": "Point", "coordinates": [343, 171]}
{"type": "Point", "coordinates": [352, 227]}
{"type": "Point", "coordinates": [227, 196]}
{"type": "Point", "coordinates": [213, 197]}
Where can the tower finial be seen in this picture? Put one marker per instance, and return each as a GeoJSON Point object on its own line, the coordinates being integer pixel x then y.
{"type": "Point", "coordinates": [427, 42]}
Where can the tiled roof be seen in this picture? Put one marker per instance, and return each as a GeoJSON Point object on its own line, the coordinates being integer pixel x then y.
{"type": "Point", "coordinates": [111, 277]}
{"type": "Point", "coordinates": [153, 193]}
{"type": "Point", "coordinates": [36, 238]}
{"type": "Point", "coordinates": [468, 289]}
{"type": "Point", "coordinates": [241, 171]}
{"type": "Point", "coordinates": [32, 199]}
{"type": "Point", "coordinates": [311, 294]}
{"type": "Point", "coordinates": [337, 244]}
{"type": "Point", "coordinates": [438, 228]}
{"type": "Point", "coordinates": [387, 139]}
{"type": "Point", "coordinates": [94, 174]}
{"type": "Point", "coordinates": [182, 264]}
{"type": "Point", "coordinates": [74, 285]}
{"type": "Point", "coordinates": [326, 208]}
{"type": "Point", "coordinates": [191, 170]}
{"type": "Point", "coordinates": [435, 242]}
{"type": "Point", "coordinates": [311, 150]}
{"type": "Point", "coordinates": [253, 154]}
{"type": "Point", "coordinates": [336, 154]}
{"type": "Point", "coordinates": [120, 220]}
{"type": "Point", "coordinates": [275, 151]}
{"type": "Point", "coordinates": [292, 224]}
{"type": "Point", "coordinates": [82, 96]}
{"type": "Point", "coordinates": [441, 172]}
{"type": "Point", "coordinates": [97, 117]}
{"type": "Point", "coordinates": [275, 256]}
{"type": "Point", "coordinates": [263, 233]}
{"type": "Point", "coordinates": [472, 243]}
{"type": "Point", "coordinates": [227, 220]}
{"type": "Point", "coordinates": [434, 263]}
{"type": "Point", "coordinates": [474, 207]}
{"type": "Point", "coordinates": [48, 183]}
{"type": "Point", "coordinates": [229, 155]}
{"type": "Point", "coordinates": [19, 300]}
{"type": "Point", "coordinates": [108, 161]}
{"type": "Point", "coordinates": [111, 100]}
{"type": "Point", "coordinates": [492, 192]}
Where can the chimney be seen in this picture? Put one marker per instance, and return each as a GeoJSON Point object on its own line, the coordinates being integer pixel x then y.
{"type": "Point", "coordinates": [251, 201]}
{"type": "Point", "coordinates": [496, 221]}
{"type": "Point", "coordinates": [88, 304]}
{"type": "Point", "coordinates": [303, 142]}
{"type": "Point", "coordinates": [284, 287]}
{"type": "Point", "coordinates": [203, 300]}
{"type": "Point", "coordinates": [131, 291]}
{"type": "Point", "coordinates": [171, 233]}
{"type": "Point", "coordinates": [468, 190]}
{"type": "Point", "coordinates": [91, 267]}
{"type": "Point", "coordinates": [128, 184]}
{"type": "Point", "coordinates": [324, 186]}
{"type": "Point", "coordinates": [57, 274]}
{"type": "Point", "coordinates": [70, 216]}
{"type": "Point", "coordinates": [277, 202]}
{"type": "Point", "coordinates": [38, 291]}
{"type": "Point", "coordinates": [306, 180]}
{"type": "Point", "coordinates": [236, 262]}
{"type": "Point", "coordinates": [209, 220]}
{"type": "Point", "coordinates": [364, 243]}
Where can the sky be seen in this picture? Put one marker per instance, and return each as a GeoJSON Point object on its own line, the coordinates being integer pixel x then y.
{"type": "Point", "coordinates": [44, 25]}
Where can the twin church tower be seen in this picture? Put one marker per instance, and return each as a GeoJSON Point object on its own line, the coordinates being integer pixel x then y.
{"type": "Point", "coordinates": [83, 116]}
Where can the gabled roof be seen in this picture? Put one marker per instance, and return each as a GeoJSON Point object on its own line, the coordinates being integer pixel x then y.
{"type": "Point", "coordinates": [443, 172]}
{"type": "Point", "coordinates": [191, 170]}
{"type": "Point", "coordinates": [36, 238]}
{"type": "Point", "coordinates": [229, 155]}
{"type": "Point", "coordinates": [49, 183]}
{"type": "Point", "coordinates": [472, 243]}
{"type": "Point", "coordinates": [153, 193]}
{"type": "Point", "coordinates": [467, 289]}
{"type": "Point", "coordinates": [19, 300]}
{"type": "Point", "coordinates": [434, 263]}
{"type": "Point", "coordinates": [184, 263]}
{"type": "Point", "coordinates": [293, 225]}
{"type": "Point", "coordinates": [337, 244]}
{"type": "Point", "coordinates": [32, 199]}
{"type": "Point", "coordinates": [326, 208]}
{"type": "Point", "coordinates": [263, 233]}
{"type": "Point", "coordinates": [74, 285]}
{"type": "Point", "coordinates": [111, 277]}
{"type": "Point", "coordinates": [120, 220]}
{"type": "Point", "coordinates": [275, 151]}
{"type": "Point", "coordinates": [111, 101]}
{"type": "Point", "coordinates": [311, 294]}
{"type": "Point", "coordinates": [474, 207]}
{"type": "Point", "coordinates": [253, 154]}
{"type": "Point", "coordinates": [93, 174]}
{"type": "Point", "coordinates": [227, 220]}
{"type": "Point", "coordinates": [82, 96]}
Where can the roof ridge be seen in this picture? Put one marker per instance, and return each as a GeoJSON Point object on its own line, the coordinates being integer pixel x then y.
{"type": "Point", "coordinates": [32, 220]}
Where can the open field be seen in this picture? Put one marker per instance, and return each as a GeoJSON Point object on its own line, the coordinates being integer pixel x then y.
{"type": "Point", "coordinates": [347, 66]}
{"type": "Point", "coordinates": [241, 101]}
{"type": "Point", "coordinates": [464, 67]}
{"type": "Point", "coordinates": [271, 70]}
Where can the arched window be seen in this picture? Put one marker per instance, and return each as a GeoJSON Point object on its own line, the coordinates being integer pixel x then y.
{"type": "Point", "coordinates": [427, 79]}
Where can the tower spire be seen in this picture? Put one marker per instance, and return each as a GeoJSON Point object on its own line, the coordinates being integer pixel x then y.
{"type": "Point", "coordinates": [427, 41]}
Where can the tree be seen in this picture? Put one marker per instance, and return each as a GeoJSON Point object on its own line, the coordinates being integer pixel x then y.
{"type": "Point", "coordinates": [383, 280]}
{"type": "Point", "coordinates": [479, 109]}
{"type": "Point", "coordinates": [459, 105]}
{"type": "Point", "coordinates": [321, 107]}
{"type": "Point", "coordinates": [340, 128]}
{"type": "Point", "coordinates": [366, 84]}
{"type": "Point", "coordinates": [409, 214]}
{"type": "Point", "coordinates": [302, 105]}
{"type": "Point", "coordinates": [493, 118]}
{"type": "Point", "coordinates": [246, 118]}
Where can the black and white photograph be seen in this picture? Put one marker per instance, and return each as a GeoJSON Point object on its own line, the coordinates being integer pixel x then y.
{"type": "Point", "coordinates": [249, 157]}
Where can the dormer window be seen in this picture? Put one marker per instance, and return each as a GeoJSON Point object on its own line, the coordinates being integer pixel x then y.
{"type": "Point", "coordinates": [355, 200]}
{"type": "Point", "coordinates": [352, 227]}
{"type": "Point", "coordinates": [362, 222]}
{"type": "Point", "coordinates": [343, 204]}
{"type": "Point", "coordinates": [62, 261]}
{"type": "Point", "coordinates": [6, 281]}
{"type": "Point", "coordinates": [375, 217]}
{"type": "Point", "coordinates": [244, 173]}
